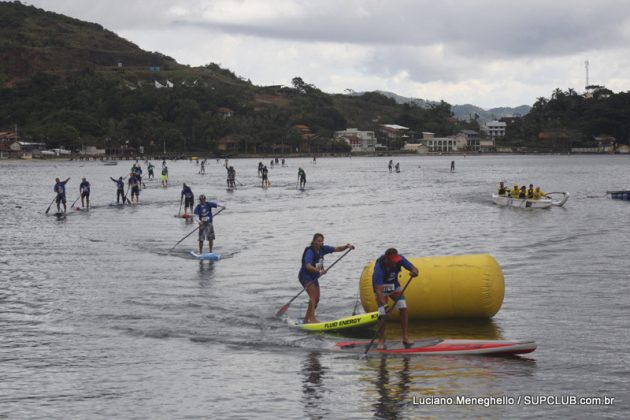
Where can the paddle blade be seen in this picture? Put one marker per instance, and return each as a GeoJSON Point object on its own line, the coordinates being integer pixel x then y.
{"type": "Point", "coordinates": [282, 310]}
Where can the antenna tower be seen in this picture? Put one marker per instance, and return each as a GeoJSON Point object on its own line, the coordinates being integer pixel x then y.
{"type": "Point", "coordinates": [586, 67]}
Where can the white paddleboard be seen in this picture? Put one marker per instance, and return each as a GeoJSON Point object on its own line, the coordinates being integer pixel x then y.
{"type": "Point", "coordinates": [210, 256]}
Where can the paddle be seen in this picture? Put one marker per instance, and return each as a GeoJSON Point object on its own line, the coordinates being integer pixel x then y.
{"type": "Point", "coordinates": [75, 202]}
{"type": "Point", "coordinates": [180, 241]}
{"type": "Point", "coordinates": [50, 205]}
{"type": "Point", "coordinates": [194, 230]}
{"type": "Point", "coordinates": [286, 306]}
{"type": "Point", "coordinates": [180, 205]}
{"type": "Point", "coordinates": [382, 321]}
{"type": "Point", "coordinates": [125, 199]}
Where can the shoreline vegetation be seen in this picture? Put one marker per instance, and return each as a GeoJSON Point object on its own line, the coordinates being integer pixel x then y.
{"type": "Point", "coordinates": [201, 156]}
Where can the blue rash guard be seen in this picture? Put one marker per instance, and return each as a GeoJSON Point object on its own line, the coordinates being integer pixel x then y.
{"type": "Point", "coordinates": [120, 184]}
{"type": "Point", "coordinates": [187, 192]}
{"type": "Point", "coordinates": [60, 188]}
{"type": "Point", "coordinates": [316, 259]}
{"type": "Point", "coordinates": [203, 212]}
{"type": "Point", "coordinates": [388, 275]}
{"type": "Point", "coordinates": [84, 187]}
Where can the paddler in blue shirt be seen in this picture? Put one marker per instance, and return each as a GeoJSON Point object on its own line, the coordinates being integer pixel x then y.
{"type": "Point", "coordinates": [385, 284]}
{"type": "Point", "coordinates": [84, 190]}
{"type": "Point", "coordinates": [134, 184]}
{"type": "Point", "coordinates": [312, 268]}
{"type": "Point", "coordinates": [203, 216]}
{"type": "Point", "coordinates": [120, 189]}
{"type": "Point", "coordinates": [188, 197]}
{"type": "Point", "coordinates": [60, 189]}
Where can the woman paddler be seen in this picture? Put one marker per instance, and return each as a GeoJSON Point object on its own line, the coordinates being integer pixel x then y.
{"type": "Point", "coordinates": [312, 268]}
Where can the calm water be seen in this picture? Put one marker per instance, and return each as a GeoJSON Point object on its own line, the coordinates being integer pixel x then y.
{"type": "Point", "coordinates": [97, 319]}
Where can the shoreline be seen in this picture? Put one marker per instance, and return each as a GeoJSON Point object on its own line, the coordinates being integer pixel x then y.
{"type": "Point", "coordinates": [198, 156]}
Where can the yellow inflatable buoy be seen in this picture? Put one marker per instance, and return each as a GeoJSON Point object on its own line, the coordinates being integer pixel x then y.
{"type": "Point", "coordinates": [460, 286]}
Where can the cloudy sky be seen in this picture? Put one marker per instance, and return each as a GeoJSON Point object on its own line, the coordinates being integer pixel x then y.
{"type": "Point", "coordinates": [484, 52]}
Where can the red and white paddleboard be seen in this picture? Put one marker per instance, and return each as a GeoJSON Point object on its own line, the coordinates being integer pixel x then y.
{"type": "Point", "coordinates": [440, 346]}
{"type": "Point", "coordinates": [184, 216]}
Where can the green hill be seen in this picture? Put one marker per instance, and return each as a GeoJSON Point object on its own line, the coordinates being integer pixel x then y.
{"type": "Point", "coordinates": [68, 82]}
{"type": "Point", "coordinates": [33, 40]}
{"type": "Point", "coordinates": [65, 81]}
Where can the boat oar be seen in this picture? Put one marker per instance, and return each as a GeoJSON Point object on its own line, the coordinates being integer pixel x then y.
{"type": "Point", "coordinates": [286, 305]}
{"type": "Point", "coordinates": [381, 322]}
{"type": "Point", "coordinates": [194, 230]}
{"type": "Point", "coordinates": [180, 205]}
{"type": "Point", "coordinates": [50, 205]}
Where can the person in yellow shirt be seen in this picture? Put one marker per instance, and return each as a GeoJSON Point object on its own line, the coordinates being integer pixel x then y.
{"type": "Point", "coordinates": [538, 193]}
{"type": "Point", "coordinates": [530, 191]}
{"type": "Point", "coordinates": [514, 192]}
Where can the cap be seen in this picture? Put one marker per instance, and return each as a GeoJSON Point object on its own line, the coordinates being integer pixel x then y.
{"type": "Point", "coordinates": [394, 258]}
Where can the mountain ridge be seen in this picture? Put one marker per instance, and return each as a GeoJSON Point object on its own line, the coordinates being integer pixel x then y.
{"type": "Point", "coordinates": [465, 111]}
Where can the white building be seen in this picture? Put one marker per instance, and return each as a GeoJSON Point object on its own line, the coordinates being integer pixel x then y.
{"type": "Point", "coordinates": [494, 129]}
{"type": "Point", "coordinates": [443, 144]}
{"type": "Point", "coordinates": [361, 141]}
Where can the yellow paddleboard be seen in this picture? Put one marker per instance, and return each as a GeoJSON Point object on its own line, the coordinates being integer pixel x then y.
{"type": "Point", "coordinates": [354, 321]}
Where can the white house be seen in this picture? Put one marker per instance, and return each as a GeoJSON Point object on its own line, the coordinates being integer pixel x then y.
{"type": "Point", "coordinates": [443, 144]}
{"type": "Point", "coordinates": [361, 141]}
{"type": "Point", "coordinates": [494, 129]}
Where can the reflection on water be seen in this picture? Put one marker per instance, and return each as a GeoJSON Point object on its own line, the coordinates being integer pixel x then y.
{"type": "Point", "coordinates": [313, 389]}
{"type": "Point", "coordinates": [394, 382]}
{"type": "Point", "coordinates": [392, 385]}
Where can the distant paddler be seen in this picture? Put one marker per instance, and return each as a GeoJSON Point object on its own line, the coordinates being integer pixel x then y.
{"type": "Point", "coordinates": [312, 269]}
{"type": "Point", "coordinates": [84, 190]}
{"type": "Point", "coordinates": [134, 185]}
{"type": "Point", "coordinates": [188, 197]}
{"type": "Point", "coordinates": [60, 189]}
{"type": "Point", "coordinates": [120, 189]}
{"type": "Point", "coordinates": [265, 178]}
{"type": "Point", "coordinates": [164, 175]}
{"type": "Point", "coordinates": [231, 177]}
{"type": "Point", "coordinates": [150, 169]}
{"type": "Point", "coordinates": [302, 178]}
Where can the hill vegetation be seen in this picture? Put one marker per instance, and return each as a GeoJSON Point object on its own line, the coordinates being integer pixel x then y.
{"type": "Point", "coordinates": [68, 82]}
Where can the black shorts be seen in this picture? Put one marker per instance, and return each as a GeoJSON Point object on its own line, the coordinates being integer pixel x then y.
{"type": "Point", "coordinates": [61, 199]}
{"type": "Point", "coordinates": [189, 202]}
{"type": "Point", "coordinates": [305, 281]}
